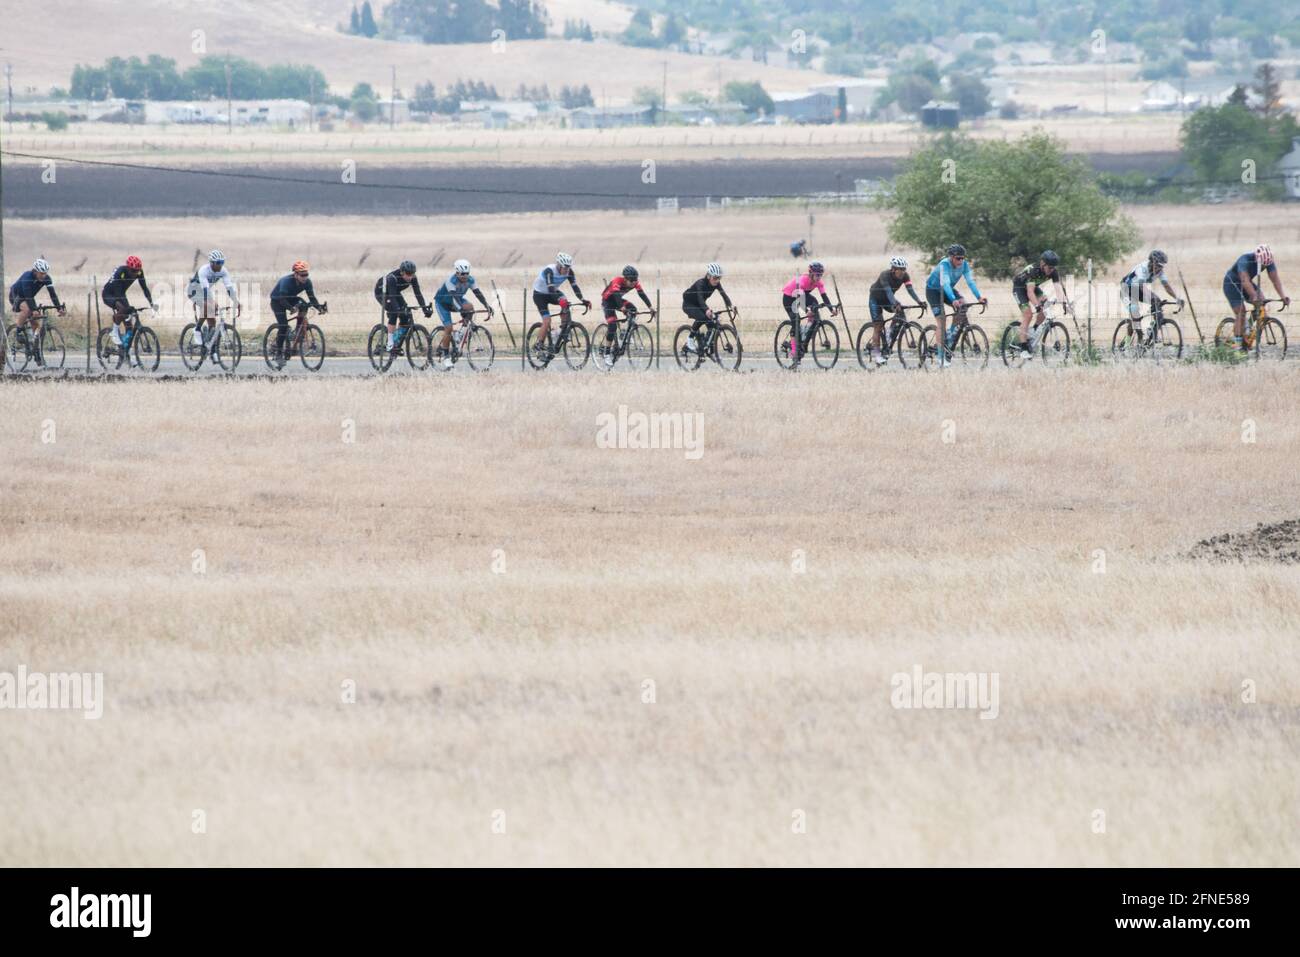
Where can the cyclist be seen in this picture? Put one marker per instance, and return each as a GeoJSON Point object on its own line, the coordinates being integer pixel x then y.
{"type": "Point", "coordinates": [287, 295]}
{"type": "Point", "coordinates": [800, 289]}
{"type": "Point", "coordinates": [611, 299]}
{"type": "Point", "coordinates": [695, 302]}
{"type": "Point", "coordinates": [388, 293]}
{"type": "Point", "coordinates": [1135, 287]}
{"type": "Point", "coordinates": [1241, 284]}
{"type": "Point", "coordinates": [22, 300]}
{"type": "Point", "coordinates": [200, 292]}
{"type": "Point", "coordinates": [952, 269]}
{"type": "Point", "coordinates": [882, 296]}
{"type": "Point", "coordinates": [546, 293]}
{"type": "Point", "coordinates": [114, 296]}
{"type": "Point", "coordinates": [1027, 288]}
{"type": "Point", "coordinates": [451, 296]}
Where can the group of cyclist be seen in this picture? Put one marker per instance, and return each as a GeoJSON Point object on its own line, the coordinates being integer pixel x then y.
{"type": "Point", "coordinates": [1241, 286]}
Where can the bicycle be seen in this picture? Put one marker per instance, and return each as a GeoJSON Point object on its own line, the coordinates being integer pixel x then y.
{"type": "Point", "coordinates": [900, 335]}
{"type": "Point", "coordinates": [721, 343]}
{"type": "Point", "coordinates": [470, 340]}
{"type": "Point", "coordinates": [1162, 339]}
{"type": "Point", "coordinates": [970, 343]}
{"type": "Point", "coordinates": [222, 343]}
{"type": "Point", "coordinates": [631, 339]}
{"type": "Point", "coordinates": [46, 350]}
{"type": "Point", "coordinates": [817, 336]}
{"type": "Point", "coordinates": [305, 340]}
{"type": "Point", "coordinates": [139, 350]}
{"type": "Point", "coordinates": [1048, 339]}
{"type": "Point", "coordinates": [411, 340]}
{"type": "Point", "coordinates": [1264, 334]}
{"type": "Point", "coordinates": [572, 340]}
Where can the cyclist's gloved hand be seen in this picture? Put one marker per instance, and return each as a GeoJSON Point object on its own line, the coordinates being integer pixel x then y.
{"type": "Point", "coordinates": [153, 307]}
{"type": "Point", "coordinates": [1286, 301]}
{"type": "Point", "coordinates": [587, 303]}
{"type": "Point", "coordinates": [428, 311]}
{"type": "Point", "coordinates": [63, 310]}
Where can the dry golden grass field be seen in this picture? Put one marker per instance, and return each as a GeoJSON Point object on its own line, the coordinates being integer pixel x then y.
{"type": "Point", "coordinates": [433, 621]}
{"type": "Point", "coordinates": [670, 250]}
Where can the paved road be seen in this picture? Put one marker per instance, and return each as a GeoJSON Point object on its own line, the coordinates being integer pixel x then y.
{"type": "Point", "coordinates": [112, 193]}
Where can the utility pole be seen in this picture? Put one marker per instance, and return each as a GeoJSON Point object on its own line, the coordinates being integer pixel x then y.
{"type": "Point", "coordinates": [663, 105]}
{"type": "Point", "coordinates": [230, 113]}
{"type": "Point", "coordinates": [392, 101]}
{"type": "Point", "coordinates": [9, 84]}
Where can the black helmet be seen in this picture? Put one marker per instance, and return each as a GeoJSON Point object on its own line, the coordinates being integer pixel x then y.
{"type": "Point", "coordinates": [1158, 257]}
{"type": "Point", "coordinates": [406, 266]}
{"type": "Point", "coordinates": [956, 249]}
{"type": "Point", "coordinates": [1051, 258]}
{"type": "Point", "coordinates": [630, 273]}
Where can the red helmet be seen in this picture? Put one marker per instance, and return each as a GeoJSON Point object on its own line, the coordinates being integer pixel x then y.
{"type": "Point", "coordinates": [133, 262]}
{"type": "Point", "coordinates": [300, 266]}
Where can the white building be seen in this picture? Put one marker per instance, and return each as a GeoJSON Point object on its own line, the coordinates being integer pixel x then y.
{"type": "Point", "coordinates": [244, 112]}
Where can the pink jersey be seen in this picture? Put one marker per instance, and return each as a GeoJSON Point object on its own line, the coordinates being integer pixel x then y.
{"type": "Point", "coordinates": [804, 283]}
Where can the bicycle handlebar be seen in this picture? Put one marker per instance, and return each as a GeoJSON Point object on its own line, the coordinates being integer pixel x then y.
{"type": "Point", "coordinates": [1265, 302]}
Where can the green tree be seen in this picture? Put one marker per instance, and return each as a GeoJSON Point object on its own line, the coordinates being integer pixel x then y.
{"type": "Point", "coordinates": [911, 85]}
{"type": "Point", "coordinates": [354, 24]}
{"type": "Point", "coordinates": [1006, 202]}
{"type": "Point", "coordinates": [1269, 90]}
{"type": "Point", "coordinates": [363, 103]}
{"type": "Point", "coordinates": [1222, 143]}
{"type": "Point", "coordinates": [751, 96]}
{"type": "Point", "coordinates": [971, 94]}
{"type": "Point", "coordinates": [368, 28]}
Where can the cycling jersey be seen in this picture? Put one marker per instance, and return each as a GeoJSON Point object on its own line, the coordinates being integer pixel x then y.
{"type": "Point", "coordinates": [206, 278]}
{"type": "Point", "coordinates": [1035, 273]}
{"type": "Point", "coordinates": [550, 280]}
{"type": "Point", "coordinates": [393, 285]}
{"type": "Point", "coordinates": [27, 286]}
{"type": "Point", "coordinates": [1232, 288]}
{"type": "Point", "coordinates": [697, 294]}
{"type": "Point", "coordinates": [121, 281]}
{"type": "Point", "coordinates": [886, 284]}
{"type": "Point", "coordinates": [451, 294]}
{"type": "Point", "coordinates": [1141, 273]}
{"type": "Point", "coordinates": [804, 283]}
{"type": "Point", "coordinates": [289, 288]}
{"type": "Point", "coordinates": [619, 287]}
{"type": "Point", "coordinates": [945, 276]}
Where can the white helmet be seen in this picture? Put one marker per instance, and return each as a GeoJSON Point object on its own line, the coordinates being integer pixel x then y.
{"type": "Point", "coordinates": [216, 256]}
{"type": "Point", "coordinates": [714, 269]}
{"type": "Point", "coordinates": [563, 259]}
{"type": "Point", "coordinates": [40, 266]}
{"type": "Point", "coordinates": [462, 267]}
{"type": "Point", "coordinates": [898, 262]}
{"type": "Point", "coordinates": [1263, 255]}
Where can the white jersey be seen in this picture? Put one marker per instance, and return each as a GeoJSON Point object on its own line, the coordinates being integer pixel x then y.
{"type": "Point", "coordinates": [1142, 273]}
{"type": "Point", "coordinates": [550, 279]}
{"type": "Point", "coordinates": [207, 277]}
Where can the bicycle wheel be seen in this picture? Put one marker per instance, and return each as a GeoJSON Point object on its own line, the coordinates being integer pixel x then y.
{"type": "Point", "coordinates": [862, 347]}
{"type": "Point", "coordinates": [53, 351]}
{"type": "Point", "coordinates": [229, 349]}
{"type": "Point", "coordinates": [640, 352]}
{"type": "Point", "coordinates": [824, 344]}
{"type": "Point", "coordinates": [1013, 357]}
{"type": "Point", "coordinates": [538, 351]}
{"type": "Point", "coordinates": [145, 349]}
{"type": "Point", "coordinates": [973, 347]}
{"type": "Point", "coordinates": [1168, 343]}
{"type": "Point", "coordinates": [191, 348]}
{"type": "Point", "coordinates": [782, 345]}
{"type": "Point", "coordinates": [577, 347]}
{"type": "Point", "coordinates": [416, 345]}
{"type": "Point", "coordinates": [275, 362]}
{"type": "Point", "coordinates": [107, 352]}
{"type": "Point", "coordinates": [907, 345]}
{"type": "Point", "coordinates": [312, 348]}
{"type": "Point", "coordinates": [16, 354]}
{"type": "Point", "coordinates": [478, 349]}
{"type": "Point", "coordinates": [927, 354]}
{"type": "Point", "coordinates": [687, 359]}
{"type": "Point", "coordinates": [1054, 345]}
{"type": "Point", "coordinates": [1270, 340]}
{"type": "Point", "coordinates": [727, 350]}
{"type": "Point", "coordinates": [1223, 334]}
{"type": "Point", "coordinates": [1126, 341]}
{"type": "Point", "coordinates": [377, 348]}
